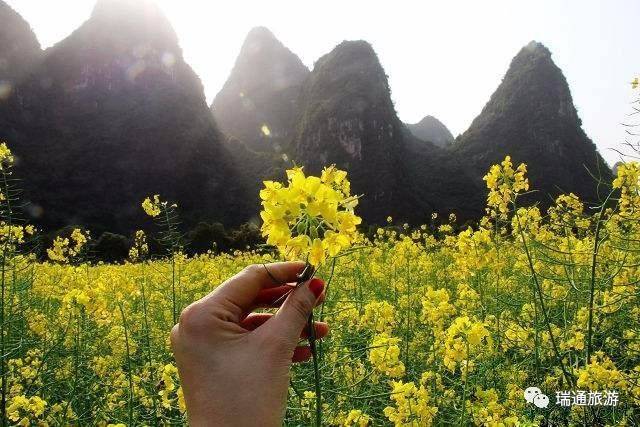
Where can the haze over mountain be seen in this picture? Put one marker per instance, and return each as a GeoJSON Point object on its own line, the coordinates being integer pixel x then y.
{"type": "Point", "coordinates": [433, 130]}
{"type": "Point", "coordinates": [19, 49]}
{"type": "Point", "coordinates": [114, 114]}
{"type": "Point", "coordinates": [258, 103]}
{"type": "Point", "coordinates": [531, 117]}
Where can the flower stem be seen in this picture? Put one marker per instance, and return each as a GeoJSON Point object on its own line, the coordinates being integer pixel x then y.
{"type": "Point", "coordinates": [316, 369]}
{"type": "Point", "coordinates": [306, 275]}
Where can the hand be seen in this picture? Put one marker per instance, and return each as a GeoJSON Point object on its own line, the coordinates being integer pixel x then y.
{"type": "Point", "coordinates": [234, 364]}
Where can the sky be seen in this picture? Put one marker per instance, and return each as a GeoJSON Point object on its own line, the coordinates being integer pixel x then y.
{"type": "Point", "coordinates": [443, 58]}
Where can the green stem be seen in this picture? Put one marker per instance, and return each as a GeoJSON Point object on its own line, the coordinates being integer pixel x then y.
{"type": "Point", "coordinates": [316, 369]}
{"type": "Point", "coordinates": [173, 288]}
{"type": "Point", "coordinates": [543, 308]}
{"type": "Point", "coordinates": [3, 366]}
{"type": "Point", "coordinates": [6, 248]}
{"type": "Point", "coordinates": [326, 294]}
{"type": "Point", "coordinates": [129, 375]}
{"type": "Point", "coordinates": [463, 415]}
{"type": "Point", "coordinates": [306, 275]}
{"type": "Point", "coordinates": [592, 285]}
{"type": "Point", "coordinates": [148, 345]}
{"type": "Point", "coordinates": [408, 327]}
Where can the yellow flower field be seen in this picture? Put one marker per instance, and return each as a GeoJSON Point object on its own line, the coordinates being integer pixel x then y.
{"type": "Point", "coordinates": [434, 325]}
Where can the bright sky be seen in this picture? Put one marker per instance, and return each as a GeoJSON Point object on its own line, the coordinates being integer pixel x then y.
{"type": "Point", "coordinates": [443, 58]}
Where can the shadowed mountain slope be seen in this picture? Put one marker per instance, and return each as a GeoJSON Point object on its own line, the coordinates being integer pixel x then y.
{"type": "Point", "coordinates": [348, 118]}
{"type": "Point", "coordinates": [114, 114]}
{"type": "Point", "coordinates": [531, 117]}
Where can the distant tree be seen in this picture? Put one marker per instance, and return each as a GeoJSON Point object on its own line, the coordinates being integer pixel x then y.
{"type": "Point", "coordinates": [111, 248]}
{"type": "Point", "coordinates": [207, 237]}
{"type": "Point", "coordinates": [247, 236]}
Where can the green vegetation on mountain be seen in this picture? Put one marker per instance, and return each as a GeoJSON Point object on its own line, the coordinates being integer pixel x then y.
{"type": "Point", "coordinates": [348, 118]}
{"type": "Point", "coordinates": [531, 117]}
{"type": "Point", "coordinates": [113, 113]}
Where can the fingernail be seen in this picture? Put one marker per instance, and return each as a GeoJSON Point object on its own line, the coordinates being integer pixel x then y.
{"type": "Point", "coordinates": [316, 286]}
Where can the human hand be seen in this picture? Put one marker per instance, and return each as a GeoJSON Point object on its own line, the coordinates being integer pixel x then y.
{"type": "Point", "coordinates": [234, 364]}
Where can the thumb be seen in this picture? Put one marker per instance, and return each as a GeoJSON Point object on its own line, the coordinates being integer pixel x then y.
{"type": "Point", "coordinates": [292, 317]}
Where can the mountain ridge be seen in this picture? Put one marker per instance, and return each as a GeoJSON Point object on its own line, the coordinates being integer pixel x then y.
{"type": "Point", "coordinates": [129, 96]}
{"type": "Point", "coordinates": [348, 118]}
{"type": "Point", "coordinates": [121, 115]}
{"type": "Point", "coordinates": [532, 118]}
{"type": "Point", "coordinates": [431, 129]}
{"type": "Point", "coordinates": [19, 51]}
{"type": "Point", "coordinates": [257, 103]}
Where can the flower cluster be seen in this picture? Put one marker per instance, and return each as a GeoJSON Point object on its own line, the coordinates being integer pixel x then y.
{"type": "Point", "coordinates": [357, 418]}
{"type": "Point", "coordinates": [385, 355]}
{"type": "Point", "coordinates": [140, 248]}
{"type": "Point", "coordinates": [23, 409]}
{"type": "Point", "coordinates": [465, 339]}
{"type": "Point", "coordinates": [153, 206]}
{"type": "Point", "coordinates": [6, 157]}
{"type": "Point", "coordinates": [504, 183]}
{"type": "Point", "coordinates": [628, 182]}
{"type": "Point", "coordinates": [309, 217]}
{"type": "Point", "coordinates": [379, 316]}
{"type": "Point", "coordinates": [66, 248]}
{"type": "Point", "coordinates": [412, 405]}
{"type": "Point", "coordinates": [601, 374]}
{"type": "Point", "coordinates": [12, 234]}
{"type": "Point", "coordinates": [567, 213]}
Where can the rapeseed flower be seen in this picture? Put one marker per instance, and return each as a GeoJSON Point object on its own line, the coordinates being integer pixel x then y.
{"type": "Point", "coordinates": [504, 183]}
{"type": "Point", "coordinates": [152, 206]}
{"type": "Point", "coordinates": [309, 217]}
{"type": "Point", "coordinates": [66, 248]}
{"type": "Point", "coordinates": [6, 157]}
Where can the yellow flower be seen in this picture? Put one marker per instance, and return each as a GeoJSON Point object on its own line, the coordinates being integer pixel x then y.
{"type": "Point", "coordinates": [153, 208]}
{"type": "Point", "coordinates": [412, 405]}
{"type": "Point", "coordinates": [504, 184]}
{"type": "Point", "coordinates": [6, 157]}
{"type": "Point", "coordinates": [22, 409]}
{"type": "Point", "coordinates": [309, 216]}
{"type": "Point", "coordinates": [59, 250]}
{"type": "Point", "coordinates": [385, 355]}
{"type": "Point", "coordinates": [62, 249]}
{"type": "Point", "coordinates": [628, 181]}
{"type": "Point", "coordinates": [464, 339]}
{"type": "Point", "coordinates": [317, 254]}
{"type": "Point", "coordinates": [140, 248]}
{"type": "Point", "coordinates": [356, 418]}
{"type": "Point", "coordinates": [635, 83]}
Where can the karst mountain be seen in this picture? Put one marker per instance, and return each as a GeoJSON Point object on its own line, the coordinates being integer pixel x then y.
{"type": "Point", "coordinates": [432, 130]}
{"type": "Point", "coordinates": [257, 105]}
{"type": "Point", "coordinates": [113, 114]}
{"type": "Point", "coordinates": [19, 54]}
{"type": "Point", "coordinates": [19, 49]}
{"type": "Point", "coordinates": [347, 118]}
{"type": "Point", "coordinates": [531, 117]}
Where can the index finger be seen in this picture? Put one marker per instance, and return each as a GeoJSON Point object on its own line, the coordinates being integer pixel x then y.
{"type": "Point", "coordinates": [242, 289]}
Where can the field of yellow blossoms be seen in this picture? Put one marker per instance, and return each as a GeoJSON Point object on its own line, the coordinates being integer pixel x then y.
{"type": "Point", "coordinates": [437, 325]}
